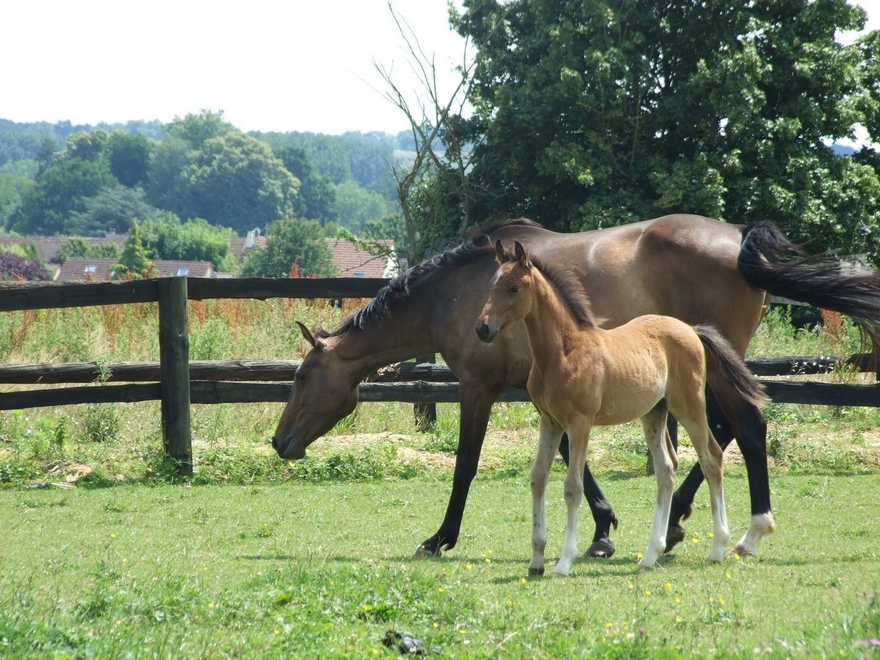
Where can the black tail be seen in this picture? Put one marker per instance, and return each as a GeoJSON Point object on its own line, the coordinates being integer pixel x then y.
{"type": "Point", "coordinates": [769, 261]}
{"type": "Point", "coordinates": [726, 368]}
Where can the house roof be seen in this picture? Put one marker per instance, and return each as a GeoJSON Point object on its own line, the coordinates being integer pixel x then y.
{"type": "Point", "coordinates": [48, 246]}
{"type": "Point", "coordinates": [354, 262]}
{"type": "Point", "coordinates": [239, 244]}
{"type": "Point", "coordinates": [82, 270]}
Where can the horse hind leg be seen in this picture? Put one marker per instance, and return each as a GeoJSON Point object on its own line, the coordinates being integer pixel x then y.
{"type": "Point", "coordinates": [665, 466]}
{"type": "Point", "coordinates": [710, 456]}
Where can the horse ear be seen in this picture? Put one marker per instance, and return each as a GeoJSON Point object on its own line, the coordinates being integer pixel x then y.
{"type": "Point", "coordinates": [520, 252]}
{"type": "Point", "coordinates": [500, 254]}
{"type": "Point", "coordinates": [308, 336]}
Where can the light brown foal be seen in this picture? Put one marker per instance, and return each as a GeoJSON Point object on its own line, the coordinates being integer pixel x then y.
{"type": "Point", "coordinates": [584, 375]}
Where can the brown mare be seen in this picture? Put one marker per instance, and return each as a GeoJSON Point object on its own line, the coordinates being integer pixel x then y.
{"type": "Point", "coordinates": [696, 269]}
{"type": "Point", "coordinates": [585, 376]}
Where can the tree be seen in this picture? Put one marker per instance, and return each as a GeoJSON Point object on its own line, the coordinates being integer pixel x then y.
{"type": "Point", "coordinates": [129, 158]}
{"type": "Point", "coordinates": [61, 190]}
{"type": "Point", "coordinates": [166, 238]}
{"type": "Point", "coordinates": [440, 152]}
{"type": "Point", "coordinates": [12, 188]}
{"type": "Point", "coordinates": [595, 114]}
{"type": "Point", "coordinates": [288, 241]}
{"type": "Point", "coordinates": [112, 210]}
{"type": "Point", "coordinates": [134, 261]}
{"type": "Point", "coordinates": [232, 180]}
{"type": "Point", "coordinates": [77, 248]}
{"type": "Point", "coordinates": [195, 130]}
{"type": "Point", "coordinates": [16, 268]}
{"type": "Point", "coordinates": [316, 198]}
{"type": "Point", "coordinates": [357, 206]}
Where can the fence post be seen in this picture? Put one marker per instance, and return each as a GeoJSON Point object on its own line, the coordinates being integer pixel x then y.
{"type": "Point", "coordinates": [174, 371]}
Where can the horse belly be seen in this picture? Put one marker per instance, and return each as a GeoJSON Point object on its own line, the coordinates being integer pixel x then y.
{"type": "Point", "coordinates": [622, 407]}
{"type": "Point", "coordinates": [634, 377]}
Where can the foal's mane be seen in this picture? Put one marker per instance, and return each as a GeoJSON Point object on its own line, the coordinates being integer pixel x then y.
{"type": "Point", "coordinates": [476, 245]}
{"type": "Point", "coordinates": [569, 289]}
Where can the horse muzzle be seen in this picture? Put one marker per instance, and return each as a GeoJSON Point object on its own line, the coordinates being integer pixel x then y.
{"type": "Point", "coordinates": [288, 448]}
{"type": "Point", "coordinates": [485, 333]}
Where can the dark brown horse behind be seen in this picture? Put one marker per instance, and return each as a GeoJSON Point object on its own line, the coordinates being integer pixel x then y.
{"type": "Point", "coordinates": [696, 269]}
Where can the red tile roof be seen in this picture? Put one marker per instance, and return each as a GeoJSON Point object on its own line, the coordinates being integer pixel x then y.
{"type": "Point", "coordinates": [354, 262]}
{"type": "Point", "coordinates": [81, 270]}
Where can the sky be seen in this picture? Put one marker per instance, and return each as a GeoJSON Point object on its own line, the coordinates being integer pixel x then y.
{"type": "Point", "coordinates": [269, 65]}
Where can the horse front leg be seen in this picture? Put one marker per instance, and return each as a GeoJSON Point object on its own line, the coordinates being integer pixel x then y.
{"type": "Point", "coordinates": [579, 436]}
{"type": "Point", "coordinates": [665, 466]}
{"type": "Point", "coordinates": [476, 407]}
{"type": "Point", "coordinates": [603, 515]}
{"type": "Point", "coordinates": [548, 443]}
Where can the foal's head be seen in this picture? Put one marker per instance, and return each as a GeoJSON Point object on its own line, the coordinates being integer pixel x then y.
{"type": "Point", "coordinates": [509, 300]}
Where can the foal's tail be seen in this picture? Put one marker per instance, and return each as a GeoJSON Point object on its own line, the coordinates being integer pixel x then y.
{"type": "Point", "coordinates": [769, 261]}
{"type": "Point", "coordinates": [726, 369]}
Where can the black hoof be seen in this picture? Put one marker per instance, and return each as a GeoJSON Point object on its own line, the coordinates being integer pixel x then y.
{"type": "Point", "coordinates": [601, 549]}
{"type": "Point", "coordinates": [674, 536]}
{"type": "Point", "coordinates": [535, 572]}
{"type": "Point", "coordinates": [425, 550]}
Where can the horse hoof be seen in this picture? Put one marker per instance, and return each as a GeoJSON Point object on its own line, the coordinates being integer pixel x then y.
{"type": "Point", "coordinates": [742, 551]}
{"type": "Point", "coordinates": [425, 551]}
{"type": "Point", "coordinates": [536, 572]}
{"type": "Point", "coordinates": [674, 536]}
{"type": "Point", "coordinates": [601, 549]}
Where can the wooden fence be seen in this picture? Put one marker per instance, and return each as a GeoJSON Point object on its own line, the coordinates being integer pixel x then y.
{"type": "Point", "coordinates": [178, 383]}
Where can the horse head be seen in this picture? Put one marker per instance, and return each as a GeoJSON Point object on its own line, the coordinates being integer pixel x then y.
{"type": "Point", "coordinates": [322, 394]}
{"type": "Point", "coordinates": [505, 306]}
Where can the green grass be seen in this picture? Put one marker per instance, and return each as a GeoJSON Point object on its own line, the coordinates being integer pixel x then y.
{"type": "Point", "coordinates": [322, 570]}
{"type": "Point", "coordinates": [255, 557]}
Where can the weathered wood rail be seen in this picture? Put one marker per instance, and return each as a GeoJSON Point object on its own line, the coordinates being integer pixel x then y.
{"type": "Point", "coordinates": [178, 383]}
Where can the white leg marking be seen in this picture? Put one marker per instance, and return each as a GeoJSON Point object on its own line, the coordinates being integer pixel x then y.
{"type": "Point", "coordinates": [762, 525]}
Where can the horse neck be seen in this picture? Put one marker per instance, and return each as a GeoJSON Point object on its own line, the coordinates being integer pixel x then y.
{"type": "Point", "coordinates": [550, 324]}
{"type": "Point", "coordinates": [380, 343]}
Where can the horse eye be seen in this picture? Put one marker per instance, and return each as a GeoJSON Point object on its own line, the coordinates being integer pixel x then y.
{"type": "Point", "coordinates": [300, 378]}
{"type": "Point", "coordinates": [515, 288]}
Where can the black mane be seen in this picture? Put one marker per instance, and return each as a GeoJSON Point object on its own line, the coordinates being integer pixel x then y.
{"type": "Point", "coordinates": [570, 290]}
{"type": "Point", "coordinates": [477, 245]}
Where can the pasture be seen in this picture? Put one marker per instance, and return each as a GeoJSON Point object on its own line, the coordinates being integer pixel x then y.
{"type": "Point", "coordinates": [324, 569]}
{"type": "Point", "coordinates": [104, 554]}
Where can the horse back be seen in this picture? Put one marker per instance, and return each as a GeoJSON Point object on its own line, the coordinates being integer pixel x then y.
{"type": "Point", "coordinates": [682, 266]}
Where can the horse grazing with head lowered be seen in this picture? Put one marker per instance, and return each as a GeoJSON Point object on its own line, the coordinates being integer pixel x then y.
{"type": "Point", "coordinates": [585, 376]}
{"type": "Point", "coordinates": [693, 268]}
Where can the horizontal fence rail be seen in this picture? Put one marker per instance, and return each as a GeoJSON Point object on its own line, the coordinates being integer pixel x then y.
{"type": "Point", "coordinates": [216, 381]}
{"type": "Point", "coordinates": [254, 381]}
{"type": "Point", "coordinates": [42, 295]}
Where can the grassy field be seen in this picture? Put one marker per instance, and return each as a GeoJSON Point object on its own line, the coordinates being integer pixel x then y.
{"type": "Point", "coordinates": [105, 554]}
{"type": "Point", "coordinates": [323, 570]}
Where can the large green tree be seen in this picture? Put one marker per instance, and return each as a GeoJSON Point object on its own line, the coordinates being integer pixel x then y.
{"type": "Point", "coordinates": [46, 208]}
{"type": "Point", "coordinates": [206, 168]}
{"type": "Point", "coordinates": [165, 237]}
{"type": "Point", "coordinates": [288, 241]}
{"type": "Point", "coordinates": [603, 112]}
{"type": "Point", "coordinates": [316, 199]}
{"type": "Point", "coordinates": [111, 210]}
